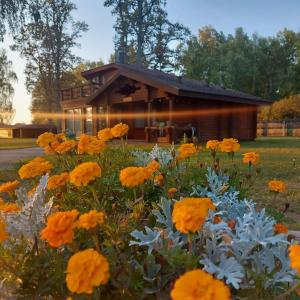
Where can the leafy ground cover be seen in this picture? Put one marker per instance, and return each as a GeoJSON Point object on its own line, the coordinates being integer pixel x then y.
{"type": "Point", "coordinates": [95, 220]}
{"type": "Point", "coordinates": [16, 143]}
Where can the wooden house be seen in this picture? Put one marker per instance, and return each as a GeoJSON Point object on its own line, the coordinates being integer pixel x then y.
{"type": "Point", "coordinates": [157, 106]}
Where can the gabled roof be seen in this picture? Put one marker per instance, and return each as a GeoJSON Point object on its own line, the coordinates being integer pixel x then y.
{"type": "Point", "coordinates": [173, 84]}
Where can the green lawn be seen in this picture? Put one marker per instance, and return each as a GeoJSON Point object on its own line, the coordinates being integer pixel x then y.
{"type": "Point", "coordinates": [16, 143]}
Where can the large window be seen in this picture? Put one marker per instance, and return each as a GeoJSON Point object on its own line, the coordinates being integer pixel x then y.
{"type": "Point", "coordinates": [139, 122]}
{"type": "Point", "coordinates": [89, 120]}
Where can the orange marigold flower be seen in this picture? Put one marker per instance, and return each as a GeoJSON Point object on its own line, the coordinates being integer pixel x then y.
{"type": "Point", "coordinates": [36, 167]}
{"type": "Point", "coordinates": [65, 146]}
{"type": "Point", "coordinates": [9, 186]}
{"type": "Point", "coordinates": [213, 145]}
{"type": "Point", "coordinates": [280, 228]}
{"type": "Point", "coordinates": [3, 232]}
{"type": "Point", "coordinates": [187, 150]}
{"type": "Point", "coordinates": [50, 149]}
{"type": "Point", "coordinates": [294, 254]}
{"type": "Point", "coordinates": [91, 219]}
{"type": "Point", "coordinates": [56, 181]}
{"type": "Point", "coordinates": [230, 145]}
{"type": "Point", "coordinates": [189, 214]}
{"type": "Point", "coordinates": [86, 269]}
{"type": "Point", "coordinates": [251, 158]}
{"type": "Point", "coordinates": [217, 220]}
{"type": "Point", "coordinates": [60, 228]}
{"type": "Point", "coordinates": [45, 139]}
{"type": "Point", "coordinates": [60, 137]}
{"type": "Point", "coordinates": [159, 180]}
{"type": "Point", "coordinates": [198, 285]}
{"type": "Point", "coordinates": [153, 166]}
{"type": "Point", "coordinates": [120, 130]}
{"type": "Point", "coordinates": [105, 134]}
{"type": "Point", "coordinates": [84, 173]}
{"type": "Point", "coordinates": [8, 207]}
{"type": "Point", "coordinates": [276, 186]}
{"type": "Point", "coordinates": [90, 145]}
{"type": "Point", "coordinates": [172, 191]}
{"type": "Point", "coordinates": [133, 176]}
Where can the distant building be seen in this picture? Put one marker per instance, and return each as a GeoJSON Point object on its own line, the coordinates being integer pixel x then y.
{"type": "Point", "coordinates": [158, 106]}
{"type": "Point", "coordinates": [25, 131]}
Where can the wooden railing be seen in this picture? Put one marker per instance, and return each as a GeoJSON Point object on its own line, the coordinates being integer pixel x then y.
{"type": "Point", "coordinates": [78, 92]}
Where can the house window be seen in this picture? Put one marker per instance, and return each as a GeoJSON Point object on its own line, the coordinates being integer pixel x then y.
{"type": "Point", "coordinates": [102, 122]}
{"type": "Point", "coordinates": [89, 120]}
{"type": "Point", "coordinates": [77, 122]}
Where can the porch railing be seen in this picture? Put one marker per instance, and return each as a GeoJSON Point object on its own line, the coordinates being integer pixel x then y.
{"type": "Point", "coordinates": [78, 92]}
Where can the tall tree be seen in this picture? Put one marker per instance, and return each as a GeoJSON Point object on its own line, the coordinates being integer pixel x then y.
{"type": "Point", "coordinates": [144, 32]}
{"type": "Point", "coordinates": [47, 44]}
{"type": "Point", "coordinates": [7, 78]}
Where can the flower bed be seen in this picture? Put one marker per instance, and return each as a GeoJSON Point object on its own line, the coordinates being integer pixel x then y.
{"type": "Point", "coordinates": [96, 221]}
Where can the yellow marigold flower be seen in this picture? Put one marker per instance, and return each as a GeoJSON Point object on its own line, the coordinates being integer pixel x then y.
{"type": "Point", "coordinates": [294, 254]}
{"type": "Point", "coordinates": [172, 191]}
{"type": "Point", "coordinates": [60, 137]}
{"type": "Point", "coordinates": [86, 269]}
{"type": "Point", "coordinates": [230, 145]}
{"type": "Point", "coordinates": [65, 146]}
{"type": "Point", "coordinates": [84, 173]}
{"type": "Point", "coordinates": [60, 228]}
{"type": "Point", "coordinates": [36, 167]}
{"type": "Point", "coordinates": [90, 145]}
{"type": "Point", "coordinates": [105, 134]}
{"type": "Point", "coordinates": [91, 219]}
{"type": "Point", "coordinates": [152, 167]}
{"type": "Point", "coordinates": [187, 150]}
{"type": "Point", "coordinates": [159, 179]}
{"type": "Point", "coordinates": [251, 158]}
{"type": "Point", "coordinates": [50, 149]}
{"type": "Point", "coordinates": [189, 214]}
{"type": "Point", "coordinates": [45, 139]}
{"type": "Point", "coordinates": [276, 186]}
{"type": "Point", "coordinates": [199, 285]}
{"type": "Point", "coordinates": [120, 130]}
{"type": "Point", "coordinates": [9, 186]}
{"type": "Point", "coordinates": [213, 145]}
{"type": "Point", "coordinates": [280, 228]}
{"type": "Point", "coordinates": [3, 232]}
{"type": "Point", "coordinates": [56, 181]}
{"type": "Point", "coordinates": [8, 207]}
{"type": "Point", "coordinates": [133, 176]}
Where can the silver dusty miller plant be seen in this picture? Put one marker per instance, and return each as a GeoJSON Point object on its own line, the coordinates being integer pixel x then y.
{"type": "Point", "coordinates": [236, 256]}
{"type": "Point", "coordinates": [29, 221]}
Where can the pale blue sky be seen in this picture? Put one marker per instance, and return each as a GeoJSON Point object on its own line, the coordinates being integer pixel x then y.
{"type": "Point", "coordinates": [265, 17]}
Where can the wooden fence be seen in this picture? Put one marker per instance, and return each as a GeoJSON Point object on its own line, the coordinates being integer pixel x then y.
{"type": "Point", "coordinates": [278, 129]}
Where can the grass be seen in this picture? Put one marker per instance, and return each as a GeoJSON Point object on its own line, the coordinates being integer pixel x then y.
{"type": "Point", "coordinates": [16, 143]}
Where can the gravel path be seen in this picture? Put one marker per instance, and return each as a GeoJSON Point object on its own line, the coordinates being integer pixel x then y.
{"type": "Point", "coordinates": [9, 157]}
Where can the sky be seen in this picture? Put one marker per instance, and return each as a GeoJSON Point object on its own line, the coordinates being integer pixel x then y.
{"type": "Point", "coordinates": [264, 17]}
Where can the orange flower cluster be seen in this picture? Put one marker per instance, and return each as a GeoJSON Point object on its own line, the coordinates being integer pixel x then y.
{"type": "Point", "coordinates": [189, 214]}
{"type": "Point", "coordinates": [65, 146]}
{"type": "Point", "coordinates": [120, 130]}
{"type": "Point", "coordinates": [172, 191]}
{"type": "Point", "coordinates": [36, 167]}
{"type": "Point", "coordinates": [90, 145]}
{"type": "Point", "coordinates": [186, 150]}
{"type": "Point", "coordinates": [276, 186]}
{"type": "Point", "coordinates": [159, 180]}
{"type": "Point", "coordinates": [294, 254]}
{"type": "Point", "coordinates": [46, 139]}
{"type": "Point", "coordinates": [9, 186]}
{"type": "Point", "coordinates": [230, 145]}
{"type": "Point", "coordinates": [3, 232]}
{"type": "Point", "coordinates": [105, 135]}
{"type": "Point", "coordinates": [250, 158]}
{"type": "Point", "coordinates": [280, 228]}
{"type": "Point", "coordinates": [60, 228]}
{"type": "Point", "coordinates": [84, 173]}
{"type": "Point", "coordinates": [86, 269]}
{"type": "Point", "coordinates": [8, 207]}
{"type": "Point", "coordinates": [56, 181]}
{"type": "Point", "coordinates": [133, 176]}
{"type": "Point", "coordinates": [213, 145]}
{"type": "Point", "coordinates": [91, 219]}
{"type": "Point", "coordinates": [153, 166]}
{"type": "Point", "coordinates": [197, 285]}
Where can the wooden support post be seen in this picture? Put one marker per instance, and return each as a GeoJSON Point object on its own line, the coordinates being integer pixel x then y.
{"type": "Point", "coordinates": [64, 122]}
{"type": "Point", "coordinates": [149, 109]}
{"type": "Point", "coordinates": [170, 111]}
{"type": "Point", "coordinates": [95, 120]}
{"type": "Point", "coordinates": [108, 117]}
{"type": "Point", "coordinates": [83, 120]}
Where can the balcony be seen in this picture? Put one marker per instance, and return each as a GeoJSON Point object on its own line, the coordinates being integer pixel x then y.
{"type": "Point", "coordinates": [79, 92]}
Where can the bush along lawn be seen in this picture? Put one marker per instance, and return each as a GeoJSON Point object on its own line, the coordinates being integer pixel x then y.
{"type": "Point", "coordinates": [94, 220]}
